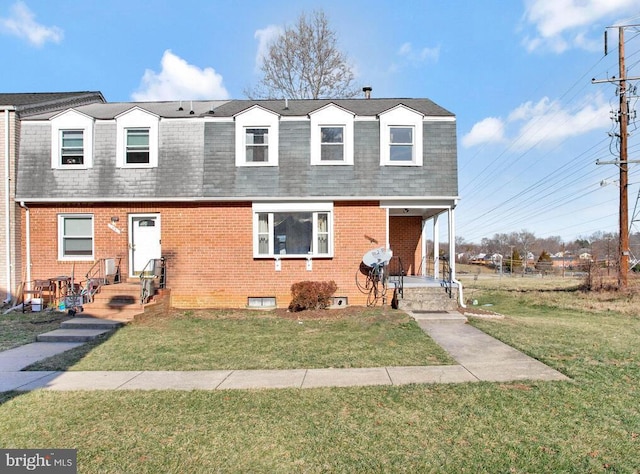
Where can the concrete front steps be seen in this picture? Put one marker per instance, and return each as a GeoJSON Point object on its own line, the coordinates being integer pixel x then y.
{"type": "Point", "coordinates": [120, 301]}
{"type": "Point", "coordinates": [429, 298]}
{"type": "Point", "coordinates": [81, 329]}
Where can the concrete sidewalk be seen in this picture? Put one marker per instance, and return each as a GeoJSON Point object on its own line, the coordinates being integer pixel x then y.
{"type": "Point", "coordinates": [480, 358]}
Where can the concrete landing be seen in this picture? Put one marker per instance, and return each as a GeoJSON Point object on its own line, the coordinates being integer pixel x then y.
{"type": "Point", "coordinates": [71, 335]}
{"type": "Point", "coordinates": [484, 356]}
{"type": "Point", "coordinates": [20, 357]}
{"type": "Point", "coordinates": [90, 323]}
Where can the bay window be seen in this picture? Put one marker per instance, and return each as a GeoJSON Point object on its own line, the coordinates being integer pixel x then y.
{"type": "Point", "coordinates": [293, 230]}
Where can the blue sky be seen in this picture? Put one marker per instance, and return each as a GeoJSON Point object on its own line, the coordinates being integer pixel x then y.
{"type": "Point", "coordinates": [517, 74]}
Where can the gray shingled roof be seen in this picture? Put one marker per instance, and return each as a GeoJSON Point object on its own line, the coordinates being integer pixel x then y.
{"type": "Point", "coordinates": [33, 103]}
{"type": "Point", "coordinates": [229, 108]}
{"type": "Point", "coordinates": [362, 107]}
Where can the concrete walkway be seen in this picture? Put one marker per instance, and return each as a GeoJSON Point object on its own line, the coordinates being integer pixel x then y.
{"type": "Point", "coordinates": [479, 356]}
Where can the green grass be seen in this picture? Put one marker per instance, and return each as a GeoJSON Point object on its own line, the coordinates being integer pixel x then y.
{"type": "Point", "coordinates": [210, 340]}
{"type": "Point", "coordinates": [17, 328]}
{"type": "Point", "coordinates": [588, 425]}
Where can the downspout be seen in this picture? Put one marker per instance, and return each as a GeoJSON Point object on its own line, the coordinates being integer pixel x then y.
{"type": "Point", "coordinates": [28, 243]}
{"type": "Point", "coordinates": [7, 202]}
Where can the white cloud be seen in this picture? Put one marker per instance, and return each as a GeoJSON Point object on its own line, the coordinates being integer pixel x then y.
{"type": "Point", "coordinates": [541, 124]}
{"type": "Point", "coordinates": [562, 24]}
{"type": "Point", "coordinates": [179, 80]}
{"type": "Point", "coordinates": [22, 23]}
{"type": "Point", "coordinates": [424, 54]}
{"type": "Point", "coordinates": [547, 122]}
{"type": "Point", "coordinates": [489, 130]}
{"type": "Point", "coordinates": [265, 37]}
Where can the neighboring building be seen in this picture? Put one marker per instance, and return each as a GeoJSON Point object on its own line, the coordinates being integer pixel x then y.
{"type": "Point", "coordinates": [243, 198]}
{"type": "Point", "coordinates": [13, 108]}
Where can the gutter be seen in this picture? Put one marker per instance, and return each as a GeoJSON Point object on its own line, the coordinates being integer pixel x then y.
{"type": "Point", "coordinates": [7, 203]}
{"type": "Point", "coordinates": [28, 244]}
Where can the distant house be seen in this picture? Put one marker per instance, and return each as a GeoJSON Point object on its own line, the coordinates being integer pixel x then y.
{"type": "Point", "coordinates": [15, 107]}
{"type": "Point", "coordinates": [242, 198]}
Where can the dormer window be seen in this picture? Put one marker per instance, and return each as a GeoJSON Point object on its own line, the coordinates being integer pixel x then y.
{"type": "Point", "coordinates": [331, 136]}
{"type": "Point", "coordinates": [401, 137]}
{"type": "Point", "coordinates": [257, 131]}
{"type": "Point", "coordinates": [71, 140]}
{"type": "Point", "coordinates": [137, 139]}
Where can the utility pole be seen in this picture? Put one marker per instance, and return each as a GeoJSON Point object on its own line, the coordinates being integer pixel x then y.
{"type": "Point", "coordinates": [623, 162]}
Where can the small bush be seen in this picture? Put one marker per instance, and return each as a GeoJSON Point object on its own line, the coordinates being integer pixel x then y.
{"type": "Point", "coordinates": [311, 295]}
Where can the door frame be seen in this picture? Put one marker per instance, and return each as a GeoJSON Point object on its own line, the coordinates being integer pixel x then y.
{"type": "Point", "coordinates": [142, 215]}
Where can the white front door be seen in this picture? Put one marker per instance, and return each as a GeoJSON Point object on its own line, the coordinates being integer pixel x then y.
{"type": "Point", "coordinates": [144, 241]}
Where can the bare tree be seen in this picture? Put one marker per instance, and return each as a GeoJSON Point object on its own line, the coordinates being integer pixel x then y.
{"type": "Point", "coordinates": [305, 63]}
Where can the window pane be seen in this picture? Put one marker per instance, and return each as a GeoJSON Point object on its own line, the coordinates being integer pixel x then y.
{"type": "Point", "coordinates": [402, 135]}
{"type": "Point", "coordinates": [138, 138]}
{"type": "Point", "coordinates": [331, 134]}
{"type": "Point", "coordinates": [257, 136]}
{"type": "Point", "coordinates": [263, 234]}
{"type": "Point", "coordinates": [323, 233]}
{"type": "Point", "coordinates": [137, 157]}
{"type": "Point", "coordinates": [401, 153]}
{"type": "Point", "coordinates": [323, 222]}
{"type": "Point", "coordinates": [74, 246]}
{"type": "Point", "coordinates": [332, 153]}
{"type": "Point", "coordinates": [257, 153]}
{"type": "Point", "coordinates": [77, 226]}
{"type": "Point", "coordinates": [72, 138]}
{"type": "Point", "coordinates": [292, 232]}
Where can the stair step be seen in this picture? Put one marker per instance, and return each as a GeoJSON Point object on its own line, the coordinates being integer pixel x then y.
{"type": "Point", "coordinates": [90, 323]}
{"type": "Point", "coordinates": [71, 335]}
{"type": "Point", "coordinates": [124, 315]}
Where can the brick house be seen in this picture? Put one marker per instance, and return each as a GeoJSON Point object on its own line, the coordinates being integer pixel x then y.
{"type": "Point", "coordinates": [242, 198]}
{"type": "Point", "coordinates": [15, 107]}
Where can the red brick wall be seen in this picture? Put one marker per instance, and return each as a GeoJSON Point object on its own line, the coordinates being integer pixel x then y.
{"type": "Point", "coordinates": [405, 234]}
{"type": "Point", "coordinates": [209, 250]}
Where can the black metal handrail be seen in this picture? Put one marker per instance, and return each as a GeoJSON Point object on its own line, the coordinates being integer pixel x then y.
{"type": "Point", "coordinates": [155, 269]}
{"type": "Point", "coordinates": [447, 276]}
{"type": "Point", "coordinates": [396, 271]}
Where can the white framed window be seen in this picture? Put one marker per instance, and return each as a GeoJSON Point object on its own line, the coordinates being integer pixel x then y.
{"type": "Point", "coordinates": [331, 136]}
{"type": "Point", "coordinates": [401, 144]}
{"type": "Point", "coordinates": [75, 237]}
{"type": "Point", "coordinates": [71, 140]}
{"type": "Point", "coordinates": [293, 230]}
{"type": "Point", "coordinates": [257, 131]}
{"type": "Point", "coordinates": [256, 145]}
{"type": "Point", "coordinates": [137, 147]}
{"type": "Point", "coordinates": [401, 137]}
{"type": "Point", "coordinates": [137, 139]}
{"type": "Point", "coordinates": [71, 147]}
{"type": "Point", "coordinates": [331, 144]}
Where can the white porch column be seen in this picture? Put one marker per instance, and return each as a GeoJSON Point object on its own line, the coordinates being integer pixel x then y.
{"type": "Point", "coordinates": [424, 251]}
{"type": "Point", "coordinates": [452, 243]}
{"type": "Point", "coordinates": [436, 247]}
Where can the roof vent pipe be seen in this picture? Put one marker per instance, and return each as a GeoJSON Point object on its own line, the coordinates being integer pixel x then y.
{"type": "Point", "coordinates": [367, 92]}
{"type": "Point", "coordinates": [286, 104]}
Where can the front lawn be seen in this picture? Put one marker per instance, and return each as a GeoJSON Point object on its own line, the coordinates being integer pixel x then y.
{"type": "Point", "coordinates": [590, 424]}
{"type": "Point", "coordinates": [210, 340]}
{"type": "Point", "coordinates": [18, 328]}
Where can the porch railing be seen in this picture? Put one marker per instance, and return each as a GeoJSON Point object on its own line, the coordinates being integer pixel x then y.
{"type": "Point", "coordinates": [104, 271]}
{"type": "Point", "coordinates": [396, 274]}
{"type": "Point", "coordinates": [447, 276]}
{"type": "Point", "coordinates": [154, 270]}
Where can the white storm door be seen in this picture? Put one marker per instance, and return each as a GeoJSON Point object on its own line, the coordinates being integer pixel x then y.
{"type": "Point", "coordinates": [144, 240]}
